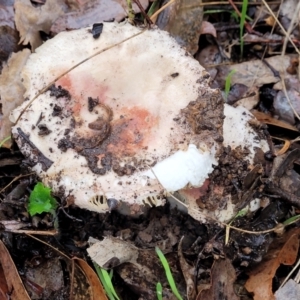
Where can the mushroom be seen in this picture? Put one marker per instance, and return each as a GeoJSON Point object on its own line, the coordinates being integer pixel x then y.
{"type": "Point", "coordinates": [121, 120]}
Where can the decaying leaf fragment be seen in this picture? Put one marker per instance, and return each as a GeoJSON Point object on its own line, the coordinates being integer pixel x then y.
{"type": "Point", "coordinates": [12, 90]}
{"type": "Point", "coordinates": [283, 251]}
{"type": "Point", "coordinates": [31, 20]}
{"type": "Point", "coordinates": [222, 278]}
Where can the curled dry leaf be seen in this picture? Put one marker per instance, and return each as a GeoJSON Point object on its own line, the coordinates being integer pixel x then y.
{"type": "Point", "coordinates": [117, 130]}
{"type": "Point", "coordinates": [12, 90]}
{"type": "Point", "coordinates": [283, 250]}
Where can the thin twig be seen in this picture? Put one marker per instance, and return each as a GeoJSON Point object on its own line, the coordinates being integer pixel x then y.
{"type": "Point", "coordinates": [15, 179]}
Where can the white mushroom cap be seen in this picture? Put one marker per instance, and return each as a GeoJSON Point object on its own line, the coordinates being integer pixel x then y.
{"type": "Point", "coordinates": [128, 124]}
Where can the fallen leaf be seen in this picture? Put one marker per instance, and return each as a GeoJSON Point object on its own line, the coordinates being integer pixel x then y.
{"type": "Point", "coordinates": [288, 8]}
{"type": "Point", "coordinates": [4, 291]}
{"type": "Point", "coordinates": [14, 282]}
{"type": "Point", "coordinates": [183, 20]}
{"type": "Point", "coordinates": [12, 90]}
{"type": "Point", "coordinates": [44, 280]}
{"type": "Point", "coordinates": [98, 292]}
{"type": "Point", "coordinates": [84, 283]}
{"type": "Point", "coordinates": [94, 12]}
{"type": "Point", "coordinates": [255, 72]}
{"type": "Point", "coordinates": [283, 250]}
{"type": "Point", "coordinates": [7, 13]}
{"type": "Point", "coordinates": [267, 119]}
{"type": "Point", "coordinates": [31, 20]}
{"type": "Point", "coordinates": [285, 109]}
{"type": "Point", "coordinates": [222, 278]}
{"type": "Point", "coordinates": [187, 272]}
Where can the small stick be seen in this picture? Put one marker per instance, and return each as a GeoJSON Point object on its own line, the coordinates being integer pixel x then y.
{"type": "Point", "coordinates": [46, 162]}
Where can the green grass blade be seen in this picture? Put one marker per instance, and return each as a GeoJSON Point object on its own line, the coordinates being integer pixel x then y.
{"type": "Point", "coordinates": [4, 140]}
{"type": "Point", "coordinates": [159, 291]}
{"type": "Point", "coordinates": [153, 8]}
{"type": "Point", "coordinates": [242, 22]}
{"type": "Point", "coordinates": [168, 273]}
{"type": "Point", "coordinates": [228, 83]}
{"type": "Point", "coordinates": [291, 220]}
{"type": "Point", "coordinates": [109, 283]}
{"type": "Point", "coordinates": [104, 283]}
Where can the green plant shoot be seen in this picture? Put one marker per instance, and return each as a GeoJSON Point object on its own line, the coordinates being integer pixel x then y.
{"type": "Point", "coordinates": [242, 22]}
{"type": "Point", "coordinates": [168, 273]}
{"type": "Point", "coordinates": [159, 291]}
{"type": "Point", "coordinates": [228, 83]}
{"type": "Point", "coordinates": [105, 279]}
{"type": "Point", "coordinates": [4, 141]}
{"type": "Point", "coordinates": [291, 220]}
{"type": "Point", "coordinates": [40, 200]}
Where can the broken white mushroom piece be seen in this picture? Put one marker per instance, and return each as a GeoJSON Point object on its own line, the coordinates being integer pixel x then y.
{"type": "Point", "coordinates": [129, 124]}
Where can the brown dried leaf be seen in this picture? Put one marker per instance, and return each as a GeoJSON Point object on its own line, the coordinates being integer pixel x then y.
{"type": "Point", "coordinates": [3, 285]}
{"type": "Point", "coordinates": [97, 289]}
{"type": "Point", "coordinates": [12, 90]}
{"type": "Point", "coordinates": [183, 20]}
{"type": "Point", "coordinates": [45, 279]}
{"type": "Point", "coordinates": [14, 282]}
{"type": "Point", "coordinates": [30, 20]}
{"type": "Point", "coordinates": [264, 118]}
{"type": "Point", "coordinates": [94, 12]}
{"type": "Point", "coordinates": [187, 272]}
{"type": "Point", "coordinates": [222, 278]}
{"type": "Point", "coordinates": [283, 251]}
{"type": "Point", "coordinates": [255, 72]}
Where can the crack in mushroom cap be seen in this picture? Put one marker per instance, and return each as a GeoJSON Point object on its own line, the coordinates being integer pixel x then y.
{"type": "Point", "coordinates": [128, 124]}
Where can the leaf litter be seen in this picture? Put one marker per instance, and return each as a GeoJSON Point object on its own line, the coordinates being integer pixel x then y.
{"type": "Point", "coordinates": [268, 198]}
